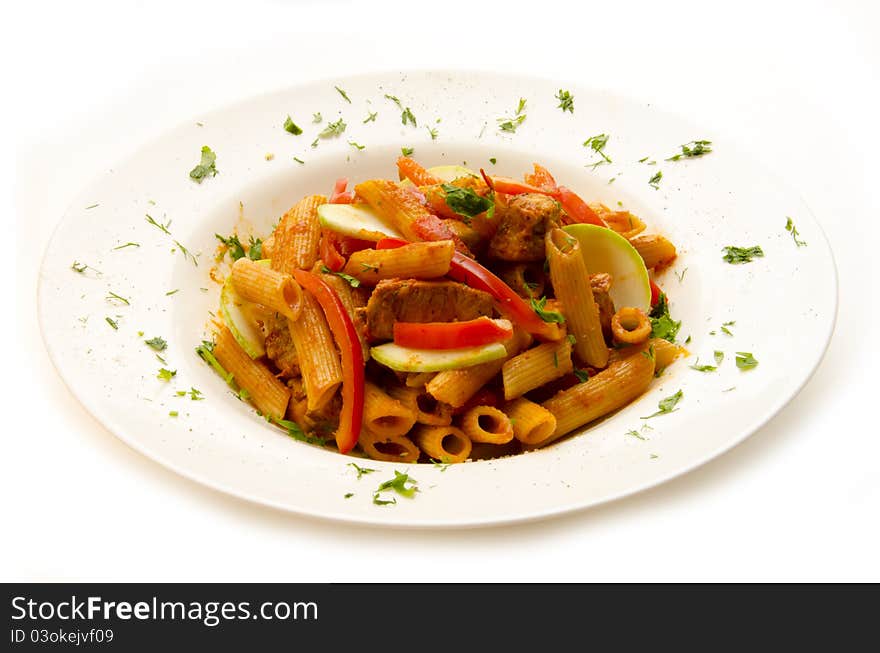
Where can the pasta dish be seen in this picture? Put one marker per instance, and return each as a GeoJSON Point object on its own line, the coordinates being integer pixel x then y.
{"type": "Point", "coordinates": [446, 316]}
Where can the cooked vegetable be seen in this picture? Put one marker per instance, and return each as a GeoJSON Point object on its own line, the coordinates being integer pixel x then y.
{"type": "Point", "coordinates": [407, 359]}
{"type": "Point", "coordinates": [451, 335]}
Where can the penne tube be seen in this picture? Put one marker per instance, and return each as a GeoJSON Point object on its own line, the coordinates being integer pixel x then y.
{"type": "Point", "coordinates": [385, 415]}
{"type": "Point", "coordinates": [631, 326]}
{"type": "Point", "coordinates": [447, 444]}
{"type": "Point", "coordinates": [532, 422]}
{"type": "Point", "coordinates": [623, 222]}
{"type": "Point", "coordinates": [262, 285]}
{"type": "Point", "coordinates": [655, 250]}
{"type": "Point", "coordinates": [298, 235]}
{"type": "Point", "coordinates": [487, 424]}
{"type": "Point", "coordinates": [571, 283]}
{"type": "Point", "coordinates": [415, 261]}
{"type": "Point", "coordinates": [266, 392]}
{"type": "Point", "coordinates": [316, 353]}
{"type": "Point", "coordinates": [427, 409]}
{"type": "Point", "coordinates": [610, 389]}
{"type": "Point", "coordinates": [400, 207]}
{"type": "Point", "coordinates": [455, 387]}
{"type": "Point", "coordinates": [390, 448]}
{"type": "Point", "coordinates": [350, 302]}
{"type": "Point", "coordinates": [418, 379]}
{"type": "Point", "coordinates": [526, 279]}
{"type": "Point", "coordinates": [535, 367]}
{"type": "Point", "coordinates": [666, 352]}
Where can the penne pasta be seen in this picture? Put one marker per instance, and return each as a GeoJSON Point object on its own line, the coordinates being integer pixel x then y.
{"type": "Point", "coordinates": [623, 222]}
{"type": "Point", "coordinates": [487, 424]}
{"type": "Point", "coordinates": [418, 379]}
{"type": "Point", "coordinates": [631, 326]}
{"type": "Point", "coordinates": [526, 279]}
{"type": "Point", "coordinates": [262, 285]}
{"type": "Point", "coordinates": [447, 444]}
{"type": "Point", "coordinates": [532, 422]}
{"type": "Point", "coordinates": [316, 353]}
{"type": "Point", "coordinates": [390, 448]}
{"type": "Point", "coordinates": [401, 207]}
{"type": "Point", "coordinates": [385, 415]}
{"type": "Point", "coordinates": [655, 250]}
{"type": "Point", "coordinates": [297, 236]}
{"type": "Point", "coordinates": [535, 367]}
{"type": "Point", "coordinates": [571, 282]}
{"type": "Point", "coordinates": [610, 389]}
{"type": "Point", "coordinates": [350, 302]}
{"type": "Point", "coordinates": [455, 387]}
{"type": "Point", "coordinates": [416, 261]}
{"type": "Point", "coordinates": [266, 392]}
{"type": "Point", "coordinates": [427, 409]}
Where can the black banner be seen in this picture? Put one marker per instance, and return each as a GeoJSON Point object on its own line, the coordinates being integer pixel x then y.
{"type": "Point", "coordinates": [225, 616]}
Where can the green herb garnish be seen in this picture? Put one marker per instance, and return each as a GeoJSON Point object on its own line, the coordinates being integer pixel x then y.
{"type": "Point", "coordinates": [352, 281]}
{"type": "Point", "coordinates": [510, 124]}
{"type": "Point", "coordinates": [548, 316]}
{"type": "Point", "coordinates": [333, 129]}
{"type": "Point", "coordinates": [343, 94]}
{"type": "Point", "coordinates": [371, 117]}
{"type": "Point", "coordinates": [156, 343]}
{"type": "Point", "coordinates": [790, 228]}
{"type": "Point", "coordinates": [290, 126]}
{"type": "Point", "coordinates": [655, 180]}
{"type": "Point", "coordinates": [402, 483]}
{"type": "Point", "coordinates": [357, 146]}
{"type": "Point", "coordinates": [362, 470]}
{"type": "Point", "coordinates": [161, 227]}
{"type": "Point", "coordinates": [745, 361]}
{"type": "Point", "coordinates": [112, 323]}
{"type": "Point", "coordinates": [317, 117]}
{"type": "Point", "coordinates": [407, 116]}
{"type": "Point", "coordinates": [662, 324]}
{"type": "Point", "coordinates": [566, 101]}
{"type": "Point", "coordinates": [667, 405]}
{"type": "Point", "coordinates": [432, 132]}
{"type": "Point", "coordinates": [126, 245]}
{"type": "Point", "coordinates": [636, 434]}
{"type": "Point", "coordinates": [465, 202]}
{"type": "Point", "coordinates": [692, 149]}
{"type": "Point", "coordinates": [597, 143]}
{"type": "Point", "coordinates": [207, 166]}
{"type": "Point", "coordinates": [737, 255]}
{"type": "Point", "coordinates": [406, 151]}
{"type": "Point", "coordinates": [582, 375]}
{"type": "Point", "coordinates": [295, 431]}
{"type": "Point", "coordinates": [166, 374]}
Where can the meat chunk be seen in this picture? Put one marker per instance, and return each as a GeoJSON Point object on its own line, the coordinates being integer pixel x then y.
{"type": "Point", "coordinates": [600, 284]}
{"type": "Point", "coordinates": [279, 347]}
{"type": "Point", "coordinates": [520, 234]}
{"type": "Point", "coordinates": [408, 300]}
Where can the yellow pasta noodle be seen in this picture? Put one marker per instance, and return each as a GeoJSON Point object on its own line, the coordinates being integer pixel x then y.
{"type": "Point", "coordinates": [531, 422]}
{"type": "Point", "coordinates": [623, 222]}
{"type": "Point", "coordinates": [447, 444]}
{"type": "Point", "coordinates": [262, 285]}
{"type": "Point", "coordinates": [655, 250]}
{"type": "Point", "coordinates": [610, 389]}
{"type": "Point", "coordinates": [427, 409]}
{"type": "Point", "coordinates": [349, 301]}
{"type": "Point", "coordinates": [265, 391]}
{"type": "Point", "coordinates": [571, 282]}
{"type": "Point", "coordinates": [400, 207]}
{"type": "Point", "coordinates": [526, 279]}
{"type": "Point", "coordinates": [385, 415]}
{"type": "Point", "coordinates": [630, 325]}
{"type": "Point", "coordinates": [455, 387]}
{"type": "Point", "coordinates": [316, 352]}
{"type": "Point", "coordinates": [535, 367]}
{"type": "Point", "coordinates": [419, 379]}
{"type": "Point", "coordinates": [390, 448]}
{"type": "Point", "coordinates": [487, 424]}
{"type": "Point", "coordinates": [297, 236]}
{"type": "Point", "coordinates": [415, 261]}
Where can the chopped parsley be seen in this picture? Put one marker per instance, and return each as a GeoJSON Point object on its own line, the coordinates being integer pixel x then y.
{"type": "Point", "coordinates": [367, 267]}
{"type": "Point", "coordinates": [126, 245]}
{"type": "Point", "coordinates": [343, 94]}
{"type": "Point", "coordinates": [362, 470]}
{"type": "Point", "coordinates": [406, 151]}
{"type": "Point", "coordinates": [566, 101]}
{"type": "Point", "coordinates": [719, 357]}
{"type": "Point", "coordinates": [597, 143]}
{"type": "Point", "coordinates": [352, 281]}
{"type": "Point", "coordinates": [407, 116]}
{"type": "Point", "coordinates": [681, 276]}
{"type": "Point", "coordinates": [667, 405]}
{"type": "Point", "coordinates": [299, 161]}
{"type": "Point", "coordinates": [790, 228]}
{"type": "Point", "coordinates": [582, 375]}
{"type": "Point", "coordinates": [394, 99]}
{"type": "Point", "coordinates": [91, 206]}
{"type": "Point", "coordinates": [703, 368]}
{"type": "Point", "coordinates": [357, 146]}
{"type": "Point", "coordinates": [112, 323]}
{"type": "Point", "coordinates": [332, 129]}
{"type": "Point", "coordinates": [207, 165]}
{"type": "Point", "coordinates": [186, 253]}
{"type": "Point", "coordinates": [692, 150]}
{"type": "Point", "coordinates": [348, 495]}
{"type": "Point", "coordinates": [290, 126]}
{"type": "Point", "coordinates": [442, 464]}
{"type": "Point", "coordinates": [236, 250]}
{"type": "Point", "coordinates": [737, 255]}
{"type": "Point", "coordinates": [166, 374]}
{"type": "Point", "coordinates": [402, 483]}
{"type": "Point", "coordinates": [371, 117]}
{"type": "Point", "coordinates": [465, 202]}
{"type": "Point", "coordinates": [655, 180]}
{"type": "Point", "coordinates": [745, 361]}
{"type": "Point", "coordinates": [493, 160]}
{"type": "Point", "coordinates": [383, 502]}
{"type": "Point", "coordinates": [206, 353]}
{"type": "Point", "coordinates": [509, 125]}
{"type": "Point", "coordinates": [662, 324]}
{"type": "Point", "coordinates": [156, 343]}
{"type": "Point", "coordinates": [172, 413]}
{"type": "Point", "coordinates": [161, 227]}
{"type": "Point", "coordinates": [636, 434]}
{"type": "Point", "coordinates": [548, 316]}
{"type": "Point", "coordinates": [433, 132]}
{"type": "Point", "coordinates": [295, 432]}
{"type": "Point", "coordinates": [196, 395]}
{"type": "Point", "coordinates": [724, 328]}
{"type": "Point", "coordinates": [317, 117]}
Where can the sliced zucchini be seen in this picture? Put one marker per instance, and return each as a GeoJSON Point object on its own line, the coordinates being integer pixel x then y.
{"type": "Point", "coordinates": [405, 359]}
{"type": "Point", "coordinates": [243, 328]}
{"type": "Point", "coordinates": [355, 220]}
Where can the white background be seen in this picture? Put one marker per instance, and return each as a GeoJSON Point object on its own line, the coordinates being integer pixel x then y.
{"type": "Point", "coordinates": [794, 83]}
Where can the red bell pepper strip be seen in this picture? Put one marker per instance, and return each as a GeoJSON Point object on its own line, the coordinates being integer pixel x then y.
{"type": "Point", "coordinates": [352, 414]}
{"type": "Point", "coordinates": [471, 273]}
{"type": "Point", "coordinates": [655, 293]}
{"type": "Point", "coordinates": [510, 186]}
{"type": "Point", "coordinates": [541, 178]}
{"type": "Point", "coordinates": [412, 170]}
{"type": "Point", "coordinates": [451, 335]}
{"type": "Point", "coordinates": [339, 194]}
{"type": "Point", "coordinates": [577, 209]}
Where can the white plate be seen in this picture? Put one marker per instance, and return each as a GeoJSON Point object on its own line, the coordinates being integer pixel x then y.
{"type": "Point", "coordinates": [784, 304]}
